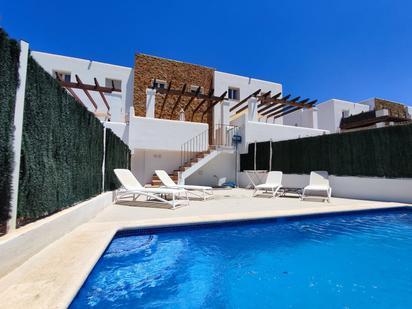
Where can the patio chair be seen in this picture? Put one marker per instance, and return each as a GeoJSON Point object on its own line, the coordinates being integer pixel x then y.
{"type": "Point", "coordinates": [132, 187]}
{"type": "Point", "coordinates": [273, 183]}
{"type": "Point", "coordinates": [204, 191]}
{"type": "Point", "coordinates": [318, 186]}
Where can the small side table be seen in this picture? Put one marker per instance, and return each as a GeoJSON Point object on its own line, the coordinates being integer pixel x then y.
{"type": "Point", "coordinates": [285, 190]}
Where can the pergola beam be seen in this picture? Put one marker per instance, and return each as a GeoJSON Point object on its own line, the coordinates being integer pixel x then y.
{"type": "Point", "coordinates": [268, 105]}
{"type": "Point", "coordinates": [211, 91]}
{"type": "Point", "coordinates": [87, 87]}
{"type": "Point", "coordinates": [70, 90]}
{"type": "Point", "coordinates": [245, 107]}
{"type": "Point", "coordinates": [178, 100]}
{"type": "Point", "coordinates": [278, 112]}
{"type": "Point", "coordinates": [186, 94]}
{"type": "Point", "coordinates": [192, 98]}
{"type": "Point", "coordinates": [245, 100]}
{"type": "Point", "coordinates": [284, 101]}
{"type": "Point", "coordinates": [291, 109]}
{"type": "Point", "coordinates": [275, 108]}
{"type": "Point", "coordinates": [164, 100]}
{"type": "Point", "coordinates": [86, 91]}
{"type": "Point", "coordinates": [102, 94]}
{"type": "Point", "coordinates": [221, 98]}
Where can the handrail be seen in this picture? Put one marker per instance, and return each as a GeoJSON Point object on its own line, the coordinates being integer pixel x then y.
{"type": "Point", "coordinates": [219, 135]}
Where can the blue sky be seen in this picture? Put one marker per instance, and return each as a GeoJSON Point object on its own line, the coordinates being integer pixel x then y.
{"type": "Point", "coordinates": [348, 49]}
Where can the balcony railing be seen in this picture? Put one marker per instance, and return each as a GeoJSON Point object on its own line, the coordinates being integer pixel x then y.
{"type": "Point", "coordinates": [214, 137]}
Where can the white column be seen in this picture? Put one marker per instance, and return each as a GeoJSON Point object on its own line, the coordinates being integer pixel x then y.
{"type": "Point", "coordinates": [150, 102]}
{"type": "Point", "coordinates": [225, 113]}
{"type": "Point", "coordinates": [18, 131]}
{"type": "Point", "coordinates": [104, 156]}
{"type": "Point", "coordinates": [315, 124]}
{"type": "Point", "coordinates": [252, 109]}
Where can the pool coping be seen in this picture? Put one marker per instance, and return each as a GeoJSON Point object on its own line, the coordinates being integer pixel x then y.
{"type": "Point", "coordinates": [216, 219]}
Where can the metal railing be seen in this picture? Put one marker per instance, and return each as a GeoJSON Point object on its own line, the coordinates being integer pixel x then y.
{"type": "Point", "coordinates": [215, 136]}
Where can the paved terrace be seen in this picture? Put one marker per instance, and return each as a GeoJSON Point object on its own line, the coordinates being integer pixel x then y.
{"type": "Point", "coordinates": [51, 278]}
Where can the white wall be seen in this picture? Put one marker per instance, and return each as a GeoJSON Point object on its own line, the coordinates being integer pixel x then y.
{"type": "Point", "coordinates": [87, 71]}
{"type": "Point", "coordinates": [162, 134]}
{"type": "Point", "coordinates": [363, 188]}
{"type": "Point", "coordinates": [18, 246]}
{"type": "Point", "coordinates": [306, 118]}
{"type": "Point", "coordinates": [223, 166]}
{"type": "Point", "coordinates": [330, 113]}
{"type": "Point", "coordinates": [144, 162]}
{"type": "Point", "coordinates": [369, 102]}
{"type": "Point", "coordinates": [121, 129]}
{"type": "Point", "coordinates": [252, 131]}
{"type": "Point", "coordinates": [247, 85]}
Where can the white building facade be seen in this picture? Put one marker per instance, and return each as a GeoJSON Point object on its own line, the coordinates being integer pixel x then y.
{"type": "Point", "coordinates": [106, 75]}
{"type": "Point", "coordinates": [157, 143]}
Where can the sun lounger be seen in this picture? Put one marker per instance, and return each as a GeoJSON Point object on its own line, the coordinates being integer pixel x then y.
{"type": "Point", "coordinates": [204, 191]}
{"type": "Point", "coordinates": [318, 186]}
{"type": "Point", "coordinates": [273, 183]}
{"type": "Point", "coordinates": [132, 187]}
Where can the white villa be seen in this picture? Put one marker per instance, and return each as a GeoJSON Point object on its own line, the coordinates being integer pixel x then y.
{"type": "Point", "coordinates": [247, 107]}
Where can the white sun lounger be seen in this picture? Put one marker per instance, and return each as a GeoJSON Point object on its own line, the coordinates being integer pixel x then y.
{"type": "Point", "coordinates": [318, 186]}
{"type": "Point", "coordinates": [132, 187]}
{"type": "Point", "coordinates": [273, 183]}
{"type": "Point", "coordinates": [204, 191]}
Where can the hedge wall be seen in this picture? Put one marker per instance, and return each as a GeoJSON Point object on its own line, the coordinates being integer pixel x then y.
{"type": "Point", "coordinates": [9, 64]}
{"type": "Point", "coordinates": [117, 156]}
{"type": "Point", "coordinates": [62, 149]}
{"type": "Point", "coordinates": [384, 152]}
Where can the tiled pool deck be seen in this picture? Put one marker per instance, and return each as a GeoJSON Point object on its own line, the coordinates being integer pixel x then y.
{"type": "Point", "coordinates": [51, 278]}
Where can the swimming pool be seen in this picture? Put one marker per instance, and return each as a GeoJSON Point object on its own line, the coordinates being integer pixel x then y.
{"type": "Point", "coordinates": [358, 260]}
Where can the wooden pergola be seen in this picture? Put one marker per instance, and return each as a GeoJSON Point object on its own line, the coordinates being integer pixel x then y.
{"type": "Point", "coordinates": [274, 106]}
{"type": "Point", "coordinates": [69, 86]}
{"type": "Point", "coordinates": [196, 100]}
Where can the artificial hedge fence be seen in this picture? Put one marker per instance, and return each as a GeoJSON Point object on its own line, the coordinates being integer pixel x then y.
{"type": "Point", "coordinates": [383, 152]}
{"type": "Point", "coordinates": [9, 64]}
{"type": "Point", "coordinates": [117, 156]}
{"type": "Point", "coordinates": [62, 149]}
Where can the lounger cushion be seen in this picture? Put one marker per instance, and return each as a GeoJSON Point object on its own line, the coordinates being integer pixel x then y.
{"type": "Point", "coordinates": [157, 190]}
{"type": "Point", "coordinates": [319, 190]}
{"type": "Point", "coordinates": [268, 185]}
{"type": "Point", "coordinates": [193, 187]}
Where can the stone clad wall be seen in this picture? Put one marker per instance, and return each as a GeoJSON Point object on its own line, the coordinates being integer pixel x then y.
{"type": "Point", "coordinates": [395, 109]}
{"type": "Point", "coordinates": [147, 68]}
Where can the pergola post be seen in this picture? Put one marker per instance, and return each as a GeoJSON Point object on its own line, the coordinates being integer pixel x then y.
{"type": "Point", "coordinates": [150, 102]}
{"type": "Point", "coordinates": [314, 114]}
{"type": "Point", "coordinates": [252, 109]}
{"type": "Point", "coordinates": [18, 133]}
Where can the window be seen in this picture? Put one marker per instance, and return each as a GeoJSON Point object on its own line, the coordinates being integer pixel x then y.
{"type": "Point", "coordinates": [113, 83]}
{"type": "Point", "coordinates": [160, 84]}
{"type": "Point", "coordinates": [234, 93]}
{"type": "Point", "coordinates": [65, 76]}
{"type": "Point", "coordinates": [193, 89]}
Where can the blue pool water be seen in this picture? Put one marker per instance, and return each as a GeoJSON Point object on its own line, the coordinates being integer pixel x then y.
{"type": "Point", "coordinates": [341, 261]}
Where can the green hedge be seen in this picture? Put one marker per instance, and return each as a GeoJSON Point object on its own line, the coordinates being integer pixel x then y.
{"type": "Point", "coordinates": [9, 64]}
{"type": "Point", "coordinates": [117, 156]}
{"type": "Point", "coordinates": [384, 152]}
{"type": "Point", "coordinates": [62, 149]}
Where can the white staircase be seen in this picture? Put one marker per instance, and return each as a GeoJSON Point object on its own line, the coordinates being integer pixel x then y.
{"type": "Point", "coordinates": [197, 152]}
